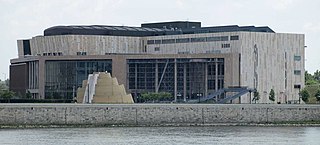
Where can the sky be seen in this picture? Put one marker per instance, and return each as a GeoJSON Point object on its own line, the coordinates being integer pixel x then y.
{"type": "Point", "coordinates": [23, 19]}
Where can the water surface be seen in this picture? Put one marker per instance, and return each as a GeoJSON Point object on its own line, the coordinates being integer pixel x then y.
{"type": "Point", "coordinates": [162, 136]}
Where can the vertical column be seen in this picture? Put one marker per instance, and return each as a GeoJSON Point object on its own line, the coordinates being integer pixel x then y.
{"type": "Point", "coordinates": [135, 77]}
{"type": "Point", "coordinates": [156, 77]}
{"type": "Point", "coordinates": [216, 76]}
{"type": "Point", "coordinates": [175, 80]}
{"type": "Point", "coordinates": [184, 82]}
{"type": "Point", "coordinates": [33, 74]}
{"type": "Point", "coordinates": [29, 74]}
{"type": "Point", "coordinates": [42, 78]}
{"type": "Point", "coordinates": [191, 79]}
{"type": "Point", "coordinates": [206, 79]}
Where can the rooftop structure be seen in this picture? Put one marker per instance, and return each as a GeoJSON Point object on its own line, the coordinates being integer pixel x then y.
{"type": "Point", "coordinates": [150, 29]}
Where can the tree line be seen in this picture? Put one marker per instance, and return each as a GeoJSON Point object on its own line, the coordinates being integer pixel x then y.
{"type": "Point", "coordinates": [312, 79]}
{"type": "Point", "coordinates": [312, 89]}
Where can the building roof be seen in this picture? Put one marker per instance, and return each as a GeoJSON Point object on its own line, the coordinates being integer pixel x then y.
{"type": "Point", "coordinates": [149, 29]}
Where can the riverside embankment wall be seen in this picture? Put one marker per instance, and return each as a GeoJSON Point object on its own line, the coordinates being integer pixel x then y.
{"type": "Point", "coordinates": [153, 114]}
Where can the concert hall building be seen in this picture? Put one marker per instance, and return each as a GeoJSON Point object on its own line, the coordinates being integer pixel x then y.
{"type": "Point", "coordinates": [182, 58]}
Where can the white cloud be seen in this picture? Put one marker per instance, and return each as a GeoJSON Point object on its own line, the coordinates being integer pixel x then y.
{"type": "Point", "coordinates": [179, 3]}
{"type": "Point", "coordinates": [281, 4]}
{"type": "Point", "coordinates": [312, 27]}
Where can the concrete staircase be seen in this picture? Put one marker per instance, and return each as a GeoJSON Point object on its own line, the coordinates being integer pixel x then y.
{"type": "Point", "coordinates": [103, 89]}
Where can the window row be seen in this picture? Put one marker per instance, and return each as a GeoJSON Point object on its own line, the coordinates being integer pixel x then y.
{"type": "Point", "coordinates": [82, 53]}
{"type": "Point", "coordinates": [225, 45]}
{"type": "Point", "coordinates": [197, 39]}
{"type": "Point", "coordinates": [52, 54]}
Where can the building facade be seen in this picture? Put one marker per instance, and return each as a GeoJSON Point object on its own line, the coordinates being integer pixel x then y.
{"type": "Point", "coordinates": [182, 58]}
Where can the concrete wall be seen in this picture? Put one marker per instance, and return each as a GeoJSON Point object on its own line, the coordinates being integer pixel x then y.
{"type": "Point", "coordinates": [275, 64]}
{"type": "Point", "coordinates": [153, 114]}
{"type": "Point", "coordinates": [91, 44]}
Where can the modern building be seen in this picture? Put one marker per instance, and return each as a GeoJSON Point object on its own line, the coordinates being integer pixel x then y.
{"type": "Point", "coordinates": [183, 58]}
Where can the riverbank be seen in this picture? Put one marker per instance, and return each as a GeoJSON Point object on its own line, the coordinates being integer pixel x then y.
{"type": "Point", "coordinates": [290, 124]}
{"type": "Point", "coordinates": [114, 115]}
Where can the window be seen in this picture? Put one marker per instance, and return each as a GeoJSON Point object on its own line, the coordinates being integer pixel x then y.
{"type": "Point", "coordinates": [81, 53]}
{"type": "Point", "coordinates": [150, 42]}
{"type": "Point", "coordinates": [297, 58]}
{"type": "Point", "coordinates": [183, 52]}
{"type": "Point", "coordinates": [60, 53]}
{"type": "Point", "coordinates": [211, 84]}
{"type": "Point", "coordinates": [157, 49]}
{"type": "Point", "coordinates": [157, 41]}
{"type": "Point", "coordinates": [225, 45]}
{"type": "Point", "coordinates": [200, 39]}
{"type": "Point", "coordinates": [26, 47]}
{"type": "Point", "coordinates": [183, 40]}
{"type": "Point", "coordinates": [234, 37]}
{"type": "Point", "coordinates": [44, 54]}
{"type": "Point", "coordinates": [168, 41]}
{"type": "Point", "coordinates": [218, 38]}
{"type": "Point", "coordinates": [297, 72]}
{"type": "Point", "coordinates": [224, 38]}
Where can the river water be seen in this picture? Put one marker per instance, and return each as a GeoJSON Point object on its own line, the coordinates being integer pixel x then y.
{"type": "Point", "coordinates": [162, 136]}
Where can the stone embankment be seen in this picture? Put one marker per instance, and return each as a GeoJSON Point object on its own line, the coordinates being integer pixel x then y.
{"type": "Point", "coordinates": [154, 114]}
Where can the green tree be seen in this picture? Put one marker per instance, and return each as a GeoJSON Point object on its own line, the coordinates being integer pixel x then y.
{"type": "Point", "coordinates": [272, 95]}
{"type": "Point", "coordinates": [155, 97]}
{"type": "Point", "coordinates": [256, 97]}
{"type": "Point", "coordinates": [7, 82]}
{"type": "Point", "coordinates": [6, 94]}
{"type": "Point", "coordinates": [304, 95]}
{"type": "Point", "coordinates": [3, 86]}
{"type": "Point", "coordinates": [317, 95]}
{"type": "Point", "coordinates": [309, 78]}
{"type": "Point", "coordinates": [28, 95]}
{"type": "Point", "coordinates": [316, 76]}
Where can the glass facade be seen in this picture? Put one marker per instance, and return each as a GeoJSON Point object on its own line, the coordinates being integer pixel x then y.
{"type": "Point", "coordinates": [192, 76]}
{"type": "Point", "coordinates": [64, 77]}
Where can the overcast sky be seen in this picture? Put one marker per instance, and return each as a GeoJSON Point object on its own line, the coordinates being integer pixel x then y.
{"type": "Point", "coordinates": [23, 19]}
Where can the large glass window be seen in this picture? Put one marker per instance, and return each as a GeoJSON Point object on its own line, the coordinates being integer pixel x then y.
{"type": "Point", "coordinates": [64, 77]}
{"type": "Point", "coordinates": [149, 75]}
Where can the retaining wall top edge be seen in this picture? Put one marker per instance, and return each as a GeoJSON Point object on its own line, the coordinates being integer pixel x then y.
{"type": "Point", "coordinates": [162, 105]}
